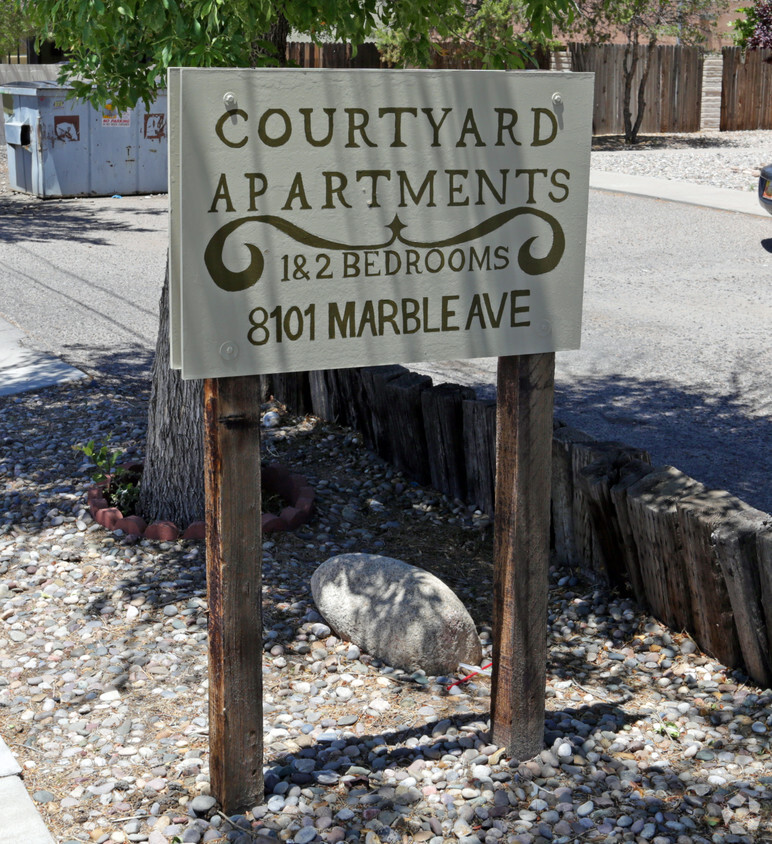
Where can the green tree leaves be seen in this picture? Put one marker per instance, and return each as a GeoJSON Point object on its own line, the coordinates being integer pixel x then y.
{"type": "Point", "coordinates": [499, 34]}
{"type": "Point", "coordinates": [120, 52]}
{"type": "Point", "coordinates": [14, 26]}
{"type": "Point", "coordinates": [755, 29]}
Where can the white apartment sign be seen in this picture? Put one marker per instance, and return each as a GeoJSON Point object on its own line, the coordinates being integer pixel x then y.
{"type": "Point", "coordinates": [324, 218]}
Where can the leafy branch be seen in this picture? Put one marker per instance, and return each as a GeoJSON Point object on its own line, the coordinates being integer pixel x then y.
{"type": "Point", "coordinates": [754, 30]}
{"type": "Point", "coordinates": [497, 34]}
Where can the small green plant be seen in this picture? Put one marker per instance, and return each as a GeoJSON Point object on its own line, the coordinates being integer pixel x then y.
{"type": "Point", "coordinates": [668, 728]}
{"type": "Point", "coordinates": [104, 459]}
{"type": "Point", "coordinates": [125, 495]}
{"type": "Point", "coordinates": [744, 27]}
{"type": "Point", "coordinates": [121, 486]}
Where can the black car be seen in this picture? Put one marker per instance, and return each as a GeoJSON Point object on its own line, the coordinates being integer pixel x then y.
{"type": "Point", "coordinates": [765, 188]}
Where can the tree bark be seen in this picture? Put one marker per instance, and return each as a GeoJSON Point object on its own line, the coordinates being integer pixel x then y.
{"type": "Point", "coordinates": [628, 66]}
{"type": "Point", "coordinates": [173, 478]}
{"type": "Point", "coordinates": [172, 485]}
{"type": "Point", "coordinates": [273, 43]}
{"type": "Point", "coordinates": [642, 91]}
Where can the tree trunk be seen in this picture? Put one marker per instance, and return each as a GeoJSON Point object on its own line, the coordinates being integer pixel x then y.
{"type": "Point", "coordinates": [273, 44]}
{"type": "Point", "coordinates": [629, 64]}
{"type": "Point", "coordinates": [173, 479]}
{"type": "Point", "coordinates": [642, 92]}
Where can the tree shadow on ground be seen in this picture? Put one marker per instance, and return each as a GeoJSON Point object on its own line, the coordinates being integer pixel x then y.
{"type": "Point", "coordinates": [131, 365]}
{"type": "Point", "coordinates": [665, 141]}
{"type": "Point", "coordinates": [722, 439]}
{"type": "Point", "coordinates": [24, 220]}
{"type": "Point", "coordinates": [594, 737]}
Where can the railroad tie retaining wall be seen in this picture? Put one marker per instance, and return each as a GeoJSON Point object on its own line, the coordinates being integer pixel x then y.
{"type": "Point", "coordinates": [699, 559]}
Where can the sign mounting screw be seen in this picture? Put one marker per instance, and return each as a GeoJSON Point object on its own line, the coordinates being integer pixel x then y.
{"type": "Point", "coordinates": [557, 99]}
{"type": "Point", "coordinates": [230, 100]}
{"type": "Point", "coordinates": [229, 350]}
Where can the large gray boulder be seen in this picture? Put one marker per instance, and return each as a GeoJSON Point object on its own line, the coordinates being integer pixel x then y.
{"type": "Point", "coordinates": [396, 612]}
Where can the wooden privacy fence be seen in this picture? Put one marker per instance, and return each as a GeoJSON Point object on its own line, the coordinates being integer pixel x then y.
{"type": "Point", "coordinates": [333, 55]}
{"type": "Point", "coordinates": [746, 89]}
{"type": "Point", "coordinates": [673, 90]}
{"type": "Point", "coordinates": [446, 56]}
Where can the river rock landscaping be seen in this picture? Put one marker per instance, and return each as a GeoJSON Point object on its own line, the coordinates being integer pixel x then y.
{"type": "Point", "coordinates": [103, 674]}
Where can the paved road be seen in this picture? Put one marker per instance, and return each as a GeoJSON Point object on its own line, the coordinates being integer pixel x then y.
{"type": "Point", "coordinates": [82, 278]}
{"type": "Point", "coordinates": [676, 353]}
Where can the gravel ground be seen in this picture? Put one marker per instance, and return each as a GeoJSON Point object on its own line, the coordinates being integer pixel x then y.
{"type": "Point", "coordinates": [103, 675]}
{"type": "Point", "coordinates": [103, 672]}
{"type": "Point", "coordinates": [5, 187]}
{"type": "Point", "coordinates": [720, 159]}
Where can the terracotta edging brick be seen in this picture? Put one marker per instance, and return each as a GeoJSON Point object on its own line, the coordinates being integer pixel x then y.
{"type": "Point", "coordinates": [293, 488]}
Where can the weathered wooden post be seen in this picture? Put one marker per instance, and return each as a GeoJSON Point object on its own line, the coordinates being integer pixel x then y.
{"type": "Point", "coordinates": [233, 578]}
{"type": "Point", "coordinates": [521, 551]}
{"type": "Point", "coordinates": [323, 219]}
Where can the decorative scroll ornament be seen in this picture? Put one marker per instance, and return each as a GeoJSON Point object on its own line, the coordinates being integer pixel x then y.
{"type": "Point", "coordinates": [234, 281]}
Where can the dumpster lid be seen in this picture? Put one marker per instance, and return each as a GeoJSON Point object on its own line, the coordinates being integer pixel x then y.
{"type": "Point", "coordinates": [42, 86]}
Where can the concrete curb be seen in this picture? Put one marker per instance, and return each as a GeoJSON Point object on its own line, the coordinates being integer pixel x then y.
{"type": "Point", "coordinates": [721, 199]}
{"type": "Point", "coordinates": [22, 368]}
{"type": "Point", "coordinates": [22, 821]}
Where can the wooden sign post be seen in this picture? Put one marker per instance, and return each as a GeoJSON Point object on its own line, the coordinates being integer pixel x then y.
{"type": "Point", "coordinates": [234, 590]}
{"type": "Point", "coordinates": [328, 219]}
{"type": "Point", "coordinates": [521, 551]}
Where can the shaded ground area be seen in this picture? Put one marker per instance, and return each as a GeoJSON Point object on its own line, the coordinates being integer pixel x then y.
{"type": "Point", "coordinates": [103, 674]}
{"type": "Point", "coordinates": [677, 140]}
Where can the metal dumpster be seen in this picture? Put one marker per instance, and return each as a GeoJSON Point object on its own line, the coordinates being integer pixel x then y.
{"type": "Point", "coordinates": [66, 147]}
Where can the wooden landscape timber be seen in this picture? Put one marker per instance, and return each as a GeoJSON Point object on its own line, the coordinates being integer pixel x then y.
{"type": "Point", "coordinates": [564, 439]}
{"type": "Point", "coordinates": [629, 475]}
{"type": "Point", "coordinates": [651, 507]}
{"type": "Point", "coordinates": [406, 430]}
{"type": "Point", "coordinates": [736, 543]}
{"type": "Point", "coordinates": [700, 560]}
{"type": "Point", "coordinates": [478, 420]}
{"type": "Point", "coordinates": [375, 419]}
{"type": "Point", "coordinates": [585, 519]}
{"type": "Point", "coordinates": [594, 484]}
{"type": "Point", "coordinates": [442, 408]}
{"type": "Point", "coordinates": [699, 514]}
